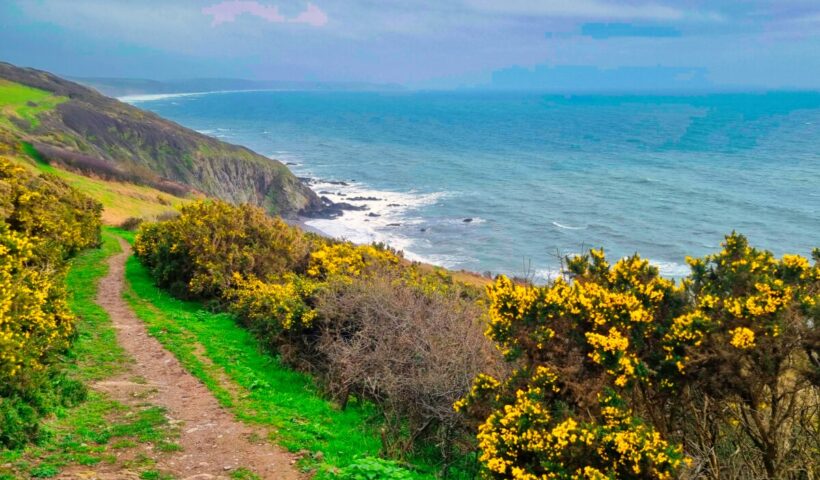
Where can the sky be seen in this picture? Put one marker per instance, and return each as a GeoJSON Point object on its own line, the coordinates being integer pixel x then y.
{"type": "Point", "coordinates": [533, 44]}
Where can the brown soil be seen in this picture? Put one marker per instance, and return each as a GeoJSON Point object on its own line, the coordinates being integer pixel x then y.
{"type": "Point", "coordinates": [213, 442]}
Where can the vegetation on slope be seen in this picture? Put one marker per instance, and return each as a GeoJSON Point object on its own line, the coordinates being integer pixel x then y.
{"type": "Point", "coordinates": [23, 105]}
{"type": "Point", "coordinates": [77, 128]}
{"type": "Point", "coordinates": [43, 223]}
{"type": "Point", "coordinates": [322, 306]}
{"type": "Point", "coordinates": [615, 371]}
{"type": "Point", "coordinates": [121, 201]}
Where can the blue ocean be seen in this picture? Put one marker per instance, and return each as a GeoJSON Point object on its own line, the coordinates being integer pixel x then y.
{"type": "Point", "coordinates": [509, 182]}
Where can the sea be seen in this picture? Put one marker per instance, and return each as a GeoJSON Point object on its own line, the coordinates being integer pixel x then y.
{"type": "Point", "coordinates": [512, 182]}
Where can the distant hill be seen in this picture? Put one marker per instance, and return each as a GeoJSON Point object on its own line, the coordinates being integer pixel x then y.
{"type": "Point", "coordinates": [118, 87]}
{"type": "Point", "coordinates": [77, 128]}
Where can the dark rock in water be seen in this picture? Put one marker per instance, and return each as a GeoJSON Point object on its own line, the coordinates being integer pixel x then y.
{"type": "Point", "coordinates": [467, 220]}
{"type": "Point", "coordinates": [371, 214]}
{"type": "Point", "coordinates": [291, 163]}
{"type": "Point", "coordinates": [325, 192]}
{"type": "Point", "coordinates": [331, 210]}
{"type": "Point", "coordinates": [341, 194]}
{"type": "Point", "coordinates": [423, 229]}
{"type": "Point", "coordinates": [338, 182]}
{"type": "Point", "coordinates": [364, 199]}
{"type": "Point", "coordinates": [394, 224]}
{"type": "Point", "coordinates": [349, 206]}
{"type": "Point", "coordinates": [307, 180]}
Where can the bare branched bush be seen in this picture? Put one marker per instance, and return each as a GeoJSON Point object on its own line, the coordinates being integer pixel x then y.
{"type": "Point", "coordinates": [413, 353]}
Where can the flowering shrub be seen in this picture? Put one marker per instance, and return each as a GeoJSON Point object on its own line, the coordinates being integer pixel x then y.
{"type": "Point", "coordinates": [198, 252]}
{"type": "Point", "coordinates": [581, 346]}
{"type": "Point", "coordinates": [272, 309]}
{"type": "Point", "coordinates": [43, 222]}
{"type": "Point", "coordinates": [757, 361]}
{"type": "Point", "coordinates": [347, 260]}
{"type": "Point", "coordinates": [619, 342]}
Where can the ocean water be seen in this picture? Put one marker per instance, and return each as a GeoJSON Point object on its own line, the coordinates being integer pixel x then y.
{"type": "Point", "coordinates": [539, 176]}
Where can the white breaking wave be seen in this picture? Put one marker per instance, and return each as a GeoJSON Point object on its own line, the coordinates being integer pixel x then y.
{"type": "Point", "coordinates": [386, 212]}
{"type": "Point", "coordinates": [672, 269]}
{"type": "Point", "coordinates": [132, 99]}
{"type": "Point", "coordinates": [567, 227]}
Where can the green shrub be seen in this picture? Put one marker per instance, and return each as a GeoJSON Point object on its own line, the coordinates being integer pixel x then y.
{"type": "Point", "coordinates": [43, 222]}
{"type": "Point", "coordinates": [198, 253]}
{"type": "Point", "coordinates": [371, 468]}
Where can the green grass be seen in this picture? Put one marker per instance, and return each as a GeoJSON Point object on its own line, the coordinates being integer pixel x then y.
{"type": "Point", "coordinates": [24, 102]}
{"type": "Point", "coordinates": [92, 432]}
{"type": "Point", "coordinates": [121, 200]}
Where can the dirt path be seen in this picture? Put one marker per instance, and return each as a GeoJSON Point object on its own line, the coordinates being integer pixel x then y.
{"type": "Point", "coordinates": [213, 442]}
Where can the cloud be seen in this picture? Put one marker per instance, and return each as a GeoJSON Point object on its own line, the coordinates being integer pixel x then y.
{"type": "Point", "coordinates": [228, 10]}
{"type": "Point", "coordinates": [601, 31]}
{"type": "Point", "coordinates": [579, 9]}
{"type": "Point", "coordinates": [313, 15]}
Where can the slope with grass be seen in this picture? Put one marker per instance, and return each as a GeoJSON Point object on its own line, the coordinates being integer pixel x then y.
{"type": "Point", "coordinates": [77, 127]}
{"type": "Point", "coordinates": [120, 200]}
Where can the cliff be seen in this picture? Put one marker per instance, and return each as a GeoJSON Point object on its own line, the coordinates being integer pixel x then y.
{"type": "Point", "coordinates": [83, 130]}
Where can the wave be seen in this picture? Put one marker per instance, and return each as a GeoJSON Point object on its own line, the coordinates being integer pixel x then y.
{"type": "Point", "coordinates": [671, 269]}
{"type": "Point", "coordinates": [386, 217]}
{"type": "Point", "coordinates": [567, 227]}
{"type": "Point", "coordinates": [151, 97]}
{"type": "Point", "coordinates": [132, 99]}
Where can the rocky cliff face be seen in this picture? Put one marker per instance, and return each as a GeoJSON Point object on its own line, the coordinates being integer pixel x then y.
{"type": "Point", "coordinates": [144, 146]}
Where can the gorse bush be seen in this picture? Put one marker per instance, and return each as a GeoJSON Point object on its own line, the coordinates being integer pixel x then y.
{"type": "Point", "coordinates": [43, 222]}
{"type": "Point", "coordinates": [623, 374]}
{"type": "Point", "coordinates": [345, 260]}
{"type": "Point", "coordinates": [274, 310]}
{"type": "Point", "coordinates": [197, 253]}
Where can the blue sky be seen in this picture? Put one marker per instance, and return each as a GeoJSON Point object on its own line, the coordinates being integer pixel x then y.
{"type": "Point", "coordinates": [426, 44]}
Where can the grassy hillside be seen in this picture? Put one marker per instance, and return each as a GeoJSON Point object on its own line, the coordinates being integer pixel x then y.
{"type": "Point", "coordinates": [77, 128]}
{"type": "Point", "coordinates": [120, 200]}
{"type": "Point", "coordinates": [24, 103]}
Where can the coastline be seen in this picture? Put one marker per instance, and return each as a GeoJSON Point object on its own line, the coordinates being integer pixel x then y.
{"type": "Point", "coordinates": [485, 196]}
